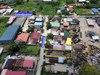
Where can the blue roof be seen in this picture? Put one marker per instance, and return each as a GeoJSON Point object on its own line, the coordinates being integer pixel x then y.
{"type": "Point", "coordinates": [62, 8]}
{"type": "Point", "coordinates": [95, 10]}
{"type": "Point", "coordinates": [10, 34]}
{"type": "Point", "coordinates": [23, 13]}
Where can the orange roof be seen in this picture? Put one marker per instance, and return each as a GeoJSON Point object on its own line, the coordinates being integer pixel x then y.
{"type": "Point", "coordinates": [23, 37]}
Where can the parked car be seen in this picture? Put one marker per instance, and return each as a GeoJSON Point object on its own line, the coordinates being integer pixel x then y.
{"type": "Point", "coordinates": [93, 36]}
{"type": "Point", "coordinates": [97, 19]}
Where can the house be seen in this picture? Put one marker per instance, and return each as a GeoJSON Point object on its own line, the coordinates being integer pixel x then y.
{"type": "Point", "coordinates": [39, 19]}
{"type": "Point", "coordinates": [11, 19]}
{"type": "Point", "coordinates": [9, 35]}
{"type": "Point", "coordinates": [20, 21]}
{"type": "Point", "coordinates": [81, 0]}
{"type": "Point", "coordinates": [55, 24]}
{"type": "Point", "coordinates": [4, 6]}
{"type": "Point", "coordinates": [8, 11]}
{"type": "Point", "coordinates": [22, 63]}
{"type": "Point", "coordinates": [28, 63]}
{"type": "Point", "coordinates": [10, 72]}
{"type": "Point", "coordinates": [38, 24]}
{"type": "Point", "coordinates": [22, 38]}
{"type": "Point", "coordinates": [34, 38]}
{"type": "Point", "coordinates": [69, 41]}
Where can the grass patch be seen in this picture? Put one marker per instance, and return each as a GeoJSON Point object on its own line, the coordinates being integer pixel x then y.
{"type": "Point", "coordinates": [48, 8]}
{"type": "Point", "coordinates": [3, 22]}
{"type": "Point", "coordinates": [30, 50]}
{"type": "Point", "coordinates": [2, 58]}
{"type": "Point", "coordinates": [82, 11]}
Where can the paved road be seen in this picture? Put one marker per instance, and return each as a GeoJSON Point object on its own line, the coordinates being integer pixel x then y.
{"type": "Point", "coordinates": [41, 59]}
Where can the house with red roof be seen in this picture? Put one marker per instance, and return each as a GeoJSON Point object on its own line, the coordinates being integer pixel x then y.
{"type": "Point", "coordinates": [10, 72]}
{"type": "Point", "coordinates": [22, 38]}
{"type": "Point", "coordinates": [28, 63]}
{"type": "Point", "coordinates": [34, 38]}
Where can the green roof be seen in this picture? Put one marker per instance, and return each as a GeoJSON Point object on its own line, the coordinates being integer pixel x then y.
{"type": "Point", "coordinates": [55, 24]}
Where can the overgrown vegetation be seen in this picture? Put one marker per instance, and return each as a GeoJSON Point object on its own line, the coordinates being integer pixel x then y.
{"type": "Point", "coordinates": [29, 50]}
{"type": "Point", "coordinates": [87, 69]}
{"type": "Point", "coordinates": [3, 23]}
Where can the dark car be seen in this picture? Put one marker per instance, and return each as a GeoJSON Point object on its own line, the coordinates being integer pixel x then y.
{"type": "Point", "coordinates": [97, 19]}
{"type": "Point", "coordinates": [90, 34]}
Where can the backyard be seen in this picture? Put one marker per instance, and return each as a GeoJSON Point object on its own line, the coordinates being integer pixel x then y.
{"type": "Point", "coordinates": [29, 50]}
{"type": "Point", "coordinates": [3, 22]}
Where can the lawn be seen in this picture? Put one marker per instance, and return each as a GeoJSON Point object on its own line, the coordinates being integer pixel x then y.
{"type": "Point", "coordinates": [2, 58]}
{"type": "Point", "coordinates": [82, 11]}
{"type": "Point", "coordinates": [40, 7]}
{"type": "Point", "coordinates": [29, 50]}
{"type": "Point", "coordinates": [3, 22]}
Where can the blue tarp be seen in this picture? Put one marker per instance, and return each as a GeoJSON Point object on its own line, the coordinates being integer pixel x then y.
{"type": "Point", "coordinates": [23, 14]}
{"type": "Point", "coordinates": [95, 10]}
{"type": "Point", "coordinates": [10, 34]}
{"type": "Point", "coordinates": [43, 41]}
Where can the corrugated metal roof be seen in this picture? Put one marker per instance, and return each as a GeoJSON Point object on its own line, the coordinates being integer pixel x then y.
{"type": "Point", "coordinates": [95, 10]}
{"type": "Point", "coordinates": [9, 34]}
{"type": "Point", "coordinates": [39, 19]}
{"type": "Point", "coordinates": [19, 21]}
{"type": "Point", "coordinates": [55, 24]}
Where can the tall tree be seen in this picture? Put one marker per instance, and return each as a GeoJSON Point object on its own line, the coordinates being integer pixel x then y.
{"type": "Point", "coordinates": [94, 1]}
{"type": "Point", "coordinates": [87, 69]}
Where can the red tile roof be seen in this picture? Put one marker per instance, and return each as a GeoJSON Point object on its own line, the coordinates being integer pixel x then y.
{"type": "Point", "coordinates": [9, 72]}
{"type": "Point", "coordinates": [3, 6]}
{"type": "Point", "coordinates": [28, 63]}
{"type": "Point", "coordinates": [35, 35]}
{"type": "Point", "coordinates": [22, 37]}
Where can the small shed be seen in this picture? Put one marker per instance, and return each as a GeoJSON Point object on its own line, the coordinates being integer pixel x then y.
{"type": "Point", "coordinates": [69, 41]}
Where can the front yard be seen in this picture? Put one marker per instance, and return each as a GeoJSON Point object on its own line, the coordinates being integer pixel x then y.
{"type": "Point", "coordinates": [29, 50]}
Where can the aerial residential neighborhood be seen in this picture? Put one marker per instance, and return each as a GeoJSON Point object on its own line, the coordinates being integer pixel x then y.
{"type": "Point", "coordinates": [49, 37]}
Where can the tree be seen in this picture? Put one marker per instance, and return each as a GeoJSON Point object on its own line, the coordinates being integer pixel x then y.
{"type": "Point", "coordinates": [50, 36]}
{"type": "Point", "coordinates": [69, 1]}
{"type": "Point", "coordinates": [19, 1]}
{"type": "Point", "coordinates": [48, 25]}
{"type": "Point", "coordinates": [76, 21]}
{"type": "Point", "coordinates": [94, 1]}
{"type": "Point", "coordinates": [12, 48]}
{"type": "Point", "coordinates": [87, 69]}
{"type": "Point", "coordinates": [30, 29]}
{"type": "Point", "coordinates": [47, 45]}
